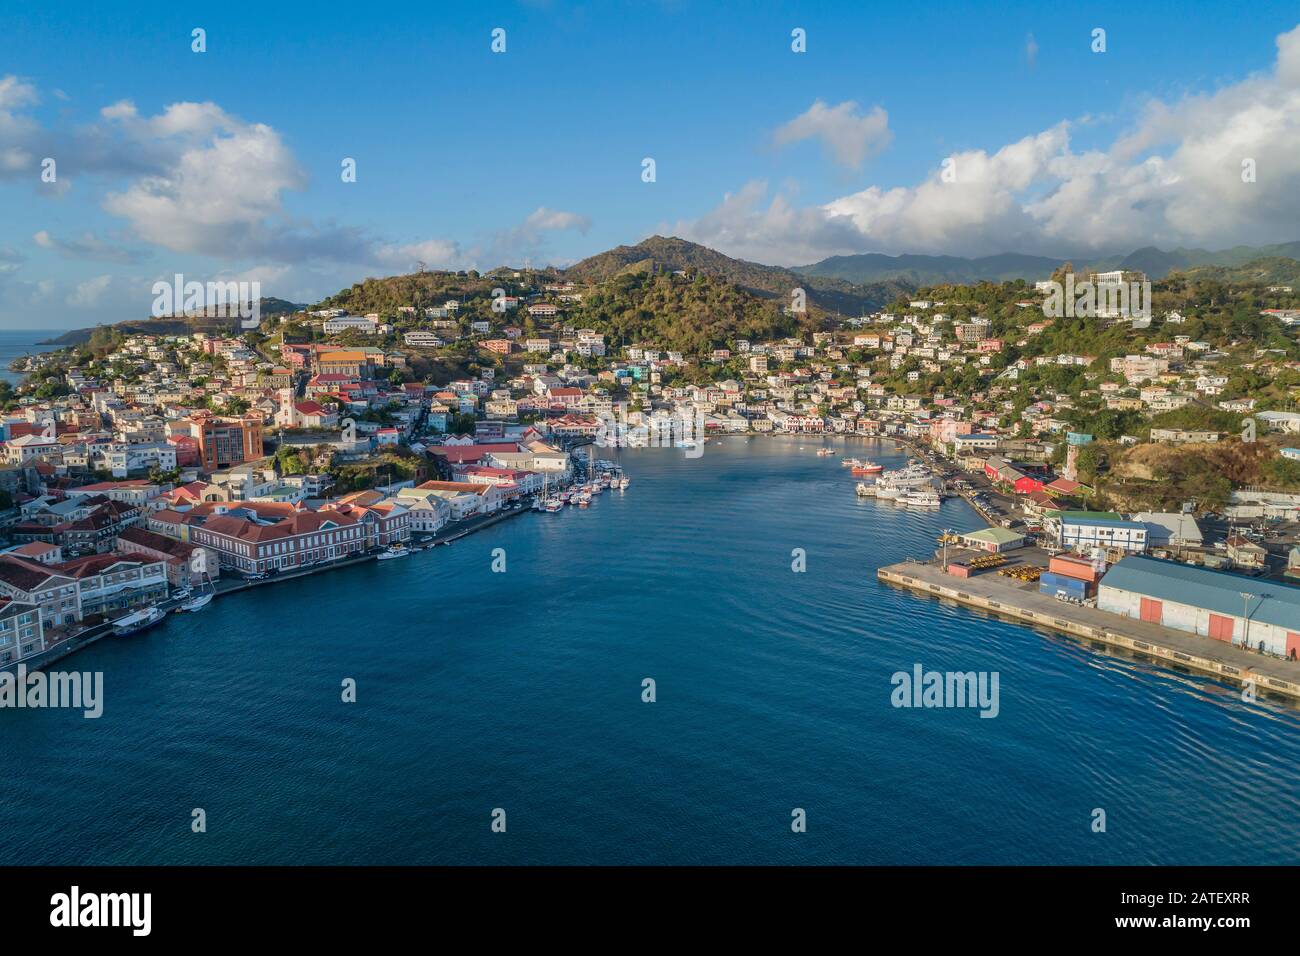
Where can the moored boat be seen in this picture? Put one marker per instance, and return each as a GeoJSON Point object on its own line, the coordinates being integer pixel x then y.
{"type": "Point", "coordinates": [138, 621]}
{"type": "Point", "coordinates": [393, 552]}
{"type": "Point", "coordinates": [920, 498]}
{"type": "Point", "coordinates": [197, 603]}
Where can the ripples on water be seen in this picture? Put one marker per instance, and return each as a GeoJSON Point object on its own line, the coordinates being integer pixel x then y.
{"type": "Point", "coordinates": [522, 690]}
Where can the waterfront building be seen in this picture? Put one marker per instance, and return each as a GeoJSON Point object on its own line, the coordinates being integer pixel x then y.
{"type": "Point", "coordinates": [245, 541]}
{"type": "Point", "coordinates": [187, 565]}
{"type": "Point", "coordinates": [110, 581]}
{"type": "Point", "coordinates": [53, 592]}
{"type": "Point", "coordinates": [21, 632]}
{"type": "Point", "coordinates": [1084, 530]}
{"type": "Point", "coordinates": [1265, 615]}
{"type": "Point", "coordinates": [463, 499]}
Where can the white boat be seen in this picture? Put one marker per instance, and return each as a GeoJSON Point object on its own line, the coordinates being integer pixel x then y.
{"type": "Point", "coordinates": [825, 452]}
{"type": "Point", "coordinates": [623, 482]}
{"type": "Point", "coordinates": [887, 491]}
{"type": "Point", "coordinates": [198, 603]}
{"type": "Point", "coordinates": [553, 505]}
{"type": "Point", "coordinates": [864, 490]}
{"type": "Point", "coordinates": [393, 552]}
{"type": "Point", "coordinates": [138, 621]}
{"type": "Point", "coordinates": [920, 499]}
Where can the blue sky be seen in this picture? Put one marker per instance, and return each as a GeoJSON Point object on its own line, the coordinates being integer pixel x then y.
{"type": "Point", "coordinates": [467, 158]}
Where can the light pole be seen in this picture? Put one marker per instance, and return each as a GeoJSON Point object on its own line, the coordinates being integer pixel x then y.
{"type": "Point", "coordinates": [946, 532]}
{"type": "Point", "coordinates": [1245, 613]}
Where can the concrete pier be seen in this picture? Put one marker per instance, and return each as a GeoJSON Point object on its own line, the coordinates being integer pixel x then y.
{"type": "Point", "coordinates": [1021, 602]}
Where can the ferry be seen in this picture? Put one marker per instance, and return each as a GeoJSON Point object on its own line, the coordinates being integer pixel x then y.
{"type": "Point", "coordinates": [393, 551]}
{"type": "Point", "coordinates": [138, 621]}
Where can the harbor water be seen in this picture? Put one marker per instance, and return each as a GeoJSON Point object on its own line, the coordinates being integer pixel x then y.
{"type": "Point", "coordinates": [522, 690]}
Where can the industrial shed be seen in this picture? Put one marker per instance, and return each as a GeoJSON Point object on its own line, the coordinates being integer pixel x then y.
{"type": "Point", "coordinates": [1227, 607]}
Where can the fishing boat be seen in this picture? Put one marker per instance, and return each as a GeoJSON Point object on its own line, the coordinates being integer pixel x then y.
{"type": "Point", "coordinates": [867, 468]}
{"type": "Point", "coordinates": [825, 452]}
{"type": "Point", "coordinates": [553, 505]}
{"type": "Point", "coordinates": [864, 490]}
{"type": "Point", "coordinates": [623, 482]}
{"type": "Point", "coordinates": [393, 551]}
{"type": "Point", "coordinates": [138, 621]}
{"type": "Point", "coordinates": [851, 462]}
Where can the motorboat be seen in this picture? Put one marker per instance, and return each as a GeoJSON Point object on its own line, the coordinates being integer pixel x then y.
{"type": "Point", "coordinates": [138, 621]}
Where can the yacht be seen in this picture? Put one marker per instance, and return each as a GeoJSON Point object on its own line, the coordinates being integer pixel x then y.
{"type": "Point", "coordinates": [393, 551]}
{"type": "Point", "coordinates": [920, 499]}
{"type": "Point", "coordinates": [825, 452]}
{"type": "Point", "coordinates": [138, 621]}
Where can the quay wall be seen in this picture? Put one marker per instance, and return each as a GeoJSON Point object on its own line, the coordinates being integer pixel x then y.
{"type": "Point", "coordinates": [1165, 645]}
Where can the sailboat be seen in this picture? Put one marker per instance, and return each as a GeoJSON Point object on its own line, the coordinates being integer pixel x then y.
{"type": "Point", "coordinates": [200, 600]}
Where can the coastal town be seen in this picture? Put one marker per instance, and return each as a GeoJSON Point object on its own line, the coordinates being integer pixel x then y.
{"type": "Point", "coordinates": [147, 471]}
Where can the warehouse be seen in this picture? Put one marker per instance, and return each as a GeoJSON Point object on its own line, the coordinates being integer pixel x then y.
{"type": "Point", "coordinates": [1227, 607]}
{"type": "Point", "coordinates": [993, 540]}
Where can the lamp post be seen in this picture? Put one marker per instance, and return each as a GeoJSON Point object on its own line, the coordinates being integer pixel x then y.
{"type": "Point", "coordinates": [1245, 613]}
{"type": "Point", "coordinates": [946, 532]}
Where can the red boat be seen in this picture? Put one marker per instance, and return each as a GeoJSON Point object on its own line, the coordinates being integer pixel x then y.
{"type": "Point", "coordinates": [867, 468]}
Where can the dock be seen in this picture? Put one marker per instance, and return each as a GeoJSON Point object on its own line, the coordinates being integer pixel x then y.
{"type": "Point", "coordinates": [1018, 602]}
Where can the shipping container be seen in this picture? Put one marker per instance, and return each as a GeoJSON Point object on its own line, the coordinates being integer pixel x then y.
{"type": "Point", "coordinates": [958, 570]}
{"type": "Point", "coordinates": [1072, 567]}
{"type": "Point", "coordinates": [1051, 584]}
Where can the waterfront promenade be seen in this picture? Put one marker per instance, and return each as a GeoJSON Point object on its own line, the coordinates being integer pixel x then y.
{"type": "Point", "coordinates": [1179, 649]}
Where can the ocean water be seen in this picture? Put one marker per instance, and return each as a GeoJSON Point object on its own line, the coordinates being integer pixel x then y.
{"type": "Point", "coordinates": [18, 342]}
{"type": "Point", "coordinates": [521, 690]}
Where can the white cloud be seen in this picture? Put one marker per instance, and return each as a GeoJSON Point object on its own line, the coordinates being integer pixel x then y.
{"type": "Point", "coordinates": [90, 292]}
{"type": "Point", "coordinates": [88, 246]}
{"type": "Point", "coordinates": [1174, 178]}
{"type": "Point", "coordinates": [849, 138]}
{"type": "Point", "coordinates": [15, 93]}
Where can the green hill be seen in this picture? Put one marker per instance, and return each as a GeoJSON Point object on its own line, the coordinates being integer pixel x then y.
{"type": "Point", "coordinates": [672, 254]}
